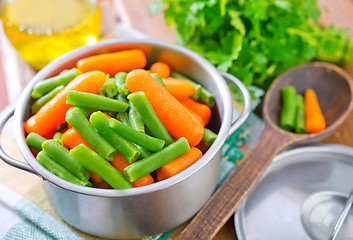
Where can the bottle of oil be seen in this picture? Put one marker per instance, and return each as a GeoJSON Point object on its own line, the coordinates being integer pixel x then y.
{"type": "Point", "coordinates": [42, 30]}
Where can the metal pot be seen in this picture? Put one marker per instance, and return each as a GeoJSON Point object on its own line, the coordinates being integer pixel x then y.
{"type": "Point", "coordinates": [147, 210]}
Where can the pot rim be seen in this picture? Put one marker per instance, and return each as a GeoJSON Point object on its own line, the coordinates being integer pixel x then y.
{"type": "Point", "coordinates": [211, 152]}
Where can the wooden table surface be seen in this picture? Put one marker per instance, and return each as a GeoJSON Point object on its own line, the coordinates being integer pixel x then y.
{"type": "Point", "coordinates": [15, 73]}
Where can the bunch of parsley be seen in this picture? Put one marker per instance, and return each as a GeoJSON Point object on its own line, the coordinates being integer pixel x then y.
{"type": "Point", "coordinates": [255, 40]}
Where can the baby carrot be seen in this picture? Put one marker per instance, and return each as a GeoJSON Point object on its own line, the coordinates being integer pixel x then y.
{"type": "Point", "coordinates": [113, 63]}
{"type": "Point", "coordinates": [44, 99]}
{"type": "Point", "coordinates": [180, 163]}
{"type": "Point", "coordinates": [120, 162]}
{"type": "Point", "coordinates": [96, 178]}
{"type": "Point", "coordinates": [175, 117]}
{"type": "Point", "coordinates": [200, 109]}
{"type": "Point", "coordinates": [71, 138]}
{"type": "Point", "coordinates": [53, 113]}
{"type": "Point", "coordinates": [198, 87]}
{"type": "Point", "coordinates": [178, 88]}
{"type": "Point", "coordinates": [314, 119]}
{"type": "Point", "coordinates": [161, 68]}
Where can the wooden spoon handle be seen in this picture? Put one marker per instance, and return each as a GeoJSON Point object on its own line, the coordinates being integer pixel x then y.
{"type": "Point", "coordinates": [224, 202]}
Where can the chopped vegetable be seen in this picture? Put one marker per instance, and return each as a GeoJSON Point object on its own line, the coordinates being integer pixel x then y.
{"type": "Point", "coordinates": [61, 155]}
{"type": "Point", "coordinates": [44, 99]}
{"type": "Point", "coordinates": [147, 165]}
{"type": "Point", "coordinates": [158, 78]}
{"type": "Point", "coordinates": [161, 68]}
{"type": "Point", "coordinates": [53, 113]}
{"type": "Point", "coordinates": [71, 139]}
{"type": "Point", "coordinates": [124, 146]}
{"type": "Point", "coordinates": [119, 162]}
{"type": "Point", "coordinates": [178, 88]}
{"type": "Point", "coordinates": [300, 116]}
{"type": "Point", "coordinates": [208, 137]}
{"type": "Point", "coordinates": [78, 121]}
{"type": "Point", "coordinates": [153, 123]}
{"type": "Point", "coordinates": [289, 107]}
{"type": "Point", "coordinates": [175, 117]}
{"type": "Point", "coordinates": [35, 141]}
{"type": "Point", "coordinates": [179, 164]}
{"type": "Point", "coordinates": [110, 87]}
{"type": "Point", "coordinates": [314, 119]}
{"type": "Point", "coordinates": [113, 63]}
{"type": "Point", "coordinates": [198, 87]}
{"type": "Point", "coordinates": [90, 100]}
{"type": "Point", "coordinates": [200, 109]}
{"type": "Point", "coordinates": [120, 82]}
{"type": "Point", "coordinates": [43, 87]}
{"type": "Point", "coordinates": [46, 161]}
{"type": "Point", "coordinates": [140, 138]}
{"type": "Point", "coordinates": [95, 163]}
{"type": "Point", "coordinates": [135, 118]}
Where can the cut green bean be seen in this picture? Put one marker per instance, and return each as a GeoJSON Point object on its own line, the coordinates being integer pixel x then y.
{"type": "Point", "coordinates": [44, 99]}
{"type": "Point", "coordinates": [61, 155]}
{"type": "Point", "coordinates": [120, 82]}
{"type": "Point", "coordinates": [198, 88]}
{"type": "Point", "coordinates": [206, 97]}
{"type": "Point", "coordinates": [78, 121]}
{"type": "Point", "coordinates": [142, 139]}
{"type": "Point", "coordinates": [111, 88]}
{"type": "Point", "coordinates": [43, 87]}
{"type": "Point", "coordinates": [124, 146]}
{"type": "Point", "coordinates": [158, 78]}
{"type": "Point", "coordinates": [208, 137]}
{"type": "Point", "coordinates": [289, 107]}
{"type": "Point", "coordinates": [52, 166]}
{"type": "Point", "coordinates": [57, 136]}
{"type": "Point", "coordinates": [135, 118]}
{"type": "Point", "coordinates": [121, 98]}
{"type": "Point", "coordinates": [102, 92]}
{"type": "Point", "coordinates": [147, 165]}
{"type": "Point", "coordinates": [149, 116]}
{"type": "Point", "coordinates": [95, 163]}
{"type": "Point", "coordinates": [124, 118]}
{"type": "Point", "coordinates": [35, 141]}
{"type": "Point", "coordinates": [300, 116]}
{"type": "Point", "coordinates": [90, 100]}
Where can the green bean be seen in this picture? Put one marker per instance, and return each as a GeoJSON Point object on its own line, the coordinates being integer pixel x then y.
{"type": "Point", "coordinates": [86, 111]}
{"type": "Point", "coordinates": [47, 162]}
{"type": "Point", "coordinates": [111, 88]}
{"type": "Point", "coordinates": [208, 137]}
{"type": "Point", "coordinates": [43, 87]}
{"type": "Point", "coordinates": [95, 163]}
{"type": "Point", "coordinates": [35, 141]}
{"type": "Point", "coordinates": [120, 82]}
{"type": "Point", "coordinates": [121, 98]}
{"type": "Point", "coordinates": [149, 116]}
{"type": "Point", "coordinates": [124, 146]}
{"type": "Point", "coordinates": [57, 137]}
{"type": "Point", "coordinates": [300, 118]}
{"type": "Point", "coordinates": [158, 78]}
{"type": "Point", "coordinates": [61, 155]}
{"type": "Point", "coordinates": [198, 87]}
{"type": "Point", "coordinates": [77, 120]}
{"type": "Point", "coordinates": [44, 99]}
{"type": "Point", "coordinates": [206, 97]}
{"type": "Point", "coordinates": [90, 100]}
{"type": "Point", "coordinates": [142, 139]}
{"type": "Point", "coordinates": [135, 118]}
{"type": "Point", "coordinates": [147, 165]}
{"type": "Point", "coordinates": [124, 118]}
{"type": "Point", "coordinates": [102, 92]}
{"type": "Point", "coordinates": [289, 106]}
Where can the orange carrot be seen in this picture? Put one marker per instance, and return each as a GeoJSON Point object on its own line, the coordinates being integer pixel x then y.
{"type": "Point", "coordinates": [71, 139]}
{"type": "Point", "coordinates": [175, 117]}
{"type": "Point", "coordinates": [161, 68]}
{"type": "Point", "coordinates": [120, 162]}
{"type": "Point", "coordinates": [113, 63]}
{"type": "Point", "coordinates": [178, 88]}
{"type": "Point", "coordinates": [64, 71]}
{"type": "Point", "coordinates": [314, 119]}
{"type": "Point", "coordinates": [179, 164]}
{"type": "Point", "coordinates": [197, 117]}
{"type": "Point", "coordinates": [53, 113]}
{"type": "Point", "coordinates": [96, 178]}
{"type": "Point", "coordinates": [159, 175]}
{"type": "Point", "coordinates": [103, 185]}
{"type": "Point", "coordinates": [200, 109]}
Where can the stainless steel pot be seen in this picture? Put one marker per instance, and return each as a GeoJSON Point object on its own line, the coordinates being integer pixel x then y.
{"type": "Point", "coordinates": [147, 210]}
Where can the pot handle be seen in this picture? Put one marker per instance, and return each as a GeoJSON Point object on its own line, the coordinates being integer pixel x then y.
{"type": "Point", "coordinates": [247, 102]}
{"type": "Point", "coordinates": [6, 114]}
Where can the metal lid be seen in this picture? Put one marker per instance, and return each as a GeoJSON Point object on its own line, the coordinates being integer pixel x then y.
{"type": "Point", "coordinates": [272, 210]}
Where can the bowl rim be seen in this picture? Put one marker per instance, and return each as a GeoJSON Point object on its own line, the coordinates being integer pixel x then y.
{"type": "Point", "coordinates": [46, 71]}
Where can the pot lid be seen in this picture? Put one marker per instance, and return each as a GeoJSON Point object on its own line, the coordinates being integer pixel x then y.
{"type": "Point", "coordinates": [272, 210]}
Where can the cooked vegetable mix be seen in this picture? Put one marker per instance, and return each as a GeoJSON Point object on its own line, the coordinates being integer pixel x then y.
{"type": "Point", "coordinates": [127, 131]}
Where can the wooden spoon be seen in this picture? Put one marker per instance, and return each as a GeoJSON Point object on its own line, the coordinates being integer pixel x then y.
{"type": "Point", "coordinates": [334, 90]}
